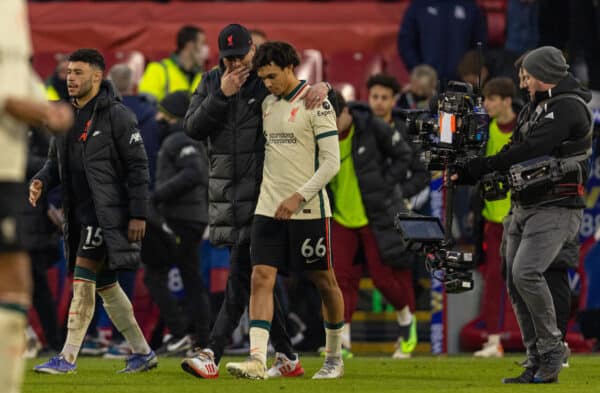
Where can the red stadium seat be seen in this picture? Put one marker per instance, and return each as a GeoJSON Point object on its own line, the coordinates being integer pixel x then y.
{"type": "Point", "coordinates": [44, 63]}
{"type": "Point", "coordinates": [354, 68]}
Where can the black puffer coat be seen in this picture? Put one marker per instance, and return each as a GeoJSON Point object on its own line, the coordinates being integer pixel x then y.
{"type": "Point", "coordinates": [182, 178]}
{"type": "Point", "coordinates": [381, 158]}
{"type": "Point", "coordinates": [116, 168]}
{"type": "Point", "coordinates": [232, 127]}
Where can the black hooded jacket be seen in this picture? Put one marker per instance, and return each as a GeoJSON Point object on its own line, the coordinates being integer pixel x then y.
{"type": "Point", "coordinates": [381, 158]}
{"type": "Point", "coordinates": [232, 127]}
{"type": "Point", "coordinates": [563, 120]}
{"type": "Point", "coordinates": [116, 169]}
{"type": "Point", "coordinates": [182, 178]}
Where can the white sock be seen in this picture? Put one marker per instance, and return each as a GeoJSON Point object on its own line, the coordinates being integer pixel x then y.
{"type": "Point", "coordinates": [81, 312]}
{"type": "Point", "coordinates": [494, 339]}
{"type": "Point", "coordinates": [333, 340]}
{"type": "Point", "coordinates": [259, 340]}
{"type": "Point", "coordinates": [119, 309]}
{"type": "Point", "coordinates": [404, 316]}
{"type": "Point", "coordinates": [12, 346]}
{"type": "Point", "coordinates": [346, 337]}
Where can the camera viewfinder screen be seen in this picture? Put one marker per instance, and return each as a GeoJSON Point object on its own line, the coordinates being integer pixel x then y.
{"type": "Point", "coordinates": [422, 229]}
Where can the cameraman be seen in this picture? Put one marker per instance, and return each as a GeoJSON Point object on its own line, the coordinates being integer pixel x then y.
{"type": "Point", "coordinates": [544, 217]}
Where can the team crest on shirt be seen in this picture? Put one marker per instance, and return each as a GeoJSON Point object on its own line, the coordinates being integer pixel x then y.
{"type": "Point", "coordinates": [293, 114]}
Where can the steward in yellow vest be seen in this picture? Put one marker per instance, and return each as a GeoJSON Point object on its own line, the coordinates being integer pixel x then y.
{"type": "Point", "coordinates": [181, 71]}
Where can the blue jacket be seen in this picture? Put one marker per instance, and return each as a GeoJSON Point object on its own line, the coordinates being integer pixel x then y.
{"type": "Point", "coordinates": [439, 32]}
{"type": "Point", "coordinates": [145, 113]}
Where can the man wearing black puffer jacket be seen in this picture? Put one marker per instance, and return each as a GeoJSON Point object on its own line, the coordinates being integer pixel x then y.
{"type": "Point", "coordinates": [40, 238]}
{"type": "Point", "coordinates": [226, 110]}
{"type": "Point", "coordinates": [556, 123]}
{"type": "Point", "coordinates": [374, 161]}
{"type": "Point", "coordinates": [102, 168]}
{"type": "Point", "coordinates": [180, 196]}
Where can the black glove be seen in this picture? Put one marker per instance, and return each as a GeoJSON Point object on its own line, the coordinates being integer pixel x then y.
{"type": "Point", "coordinates": [464, 175]}
{"type": "Point", "coordinates": [477, 167]}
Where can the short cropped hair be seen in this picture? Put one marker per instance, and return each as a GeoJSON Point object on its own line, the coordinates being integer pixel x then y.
{"type": "Point", "coordinates": [91, 56]}
{"type": "Point", "coordinates": [187, 34]}
{"type": "Point", "coordinates": [425, 71]}
{"type": "Point", "coordinates": [469, 64]}
{"type": "Point", "coordinates": [278, 53]}
{"type": "Point", "coordinates": [122, 77]}
{"type": "Point", "coordinates": [384, 80]}
{"type": "Point", "coordinates": [500, 86]}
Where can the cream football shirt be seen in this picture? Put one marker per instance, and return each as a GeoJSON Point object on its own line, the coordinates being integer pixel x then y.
{"type": "Point", "coordinates": [301, 154]}
{"type": "Point", "coordinates": [17, 80]}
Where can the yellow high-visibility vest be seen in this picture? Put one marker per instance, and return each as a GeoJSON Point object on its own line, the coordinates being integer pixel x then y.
{"type": "Point", "coordinates": [164, 77]}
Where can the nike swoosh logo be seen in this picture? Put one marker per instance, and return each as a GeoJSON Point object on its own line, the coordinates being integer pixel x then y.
{"type": "Point", "coordinates": [312, 260]}
{"type": "Point", "coordinates": [87, 248]}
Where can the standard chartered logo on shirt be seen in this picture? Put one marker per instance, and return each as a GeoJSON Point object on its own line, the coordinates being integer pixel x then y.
{"type": "Point", "coordinates": [281, 138]}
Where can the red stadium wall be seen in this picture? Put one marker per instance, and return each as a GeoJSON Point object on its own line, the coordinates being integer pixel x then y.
{"type": "Point", "coordinates": [332, 28]}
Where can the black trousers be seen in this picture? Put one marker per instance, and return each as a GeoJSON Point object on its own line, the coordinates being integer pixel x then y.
{"type": "Point", "coordinates": [237, 296]}
{"type": "Point", "coordinates": [43, 301]}
{"type": "Point", "coordinates": [197, 306]}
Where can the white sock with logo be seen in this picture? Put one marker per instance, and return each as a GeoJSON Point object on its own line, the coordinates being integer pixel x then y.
{"type": "Point", "coordinates": [259, 340]}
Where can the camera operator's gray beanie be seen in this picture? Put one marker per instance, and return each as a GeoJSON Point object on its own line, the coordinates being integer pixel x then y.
{"type": "Point", "coordinates": [546, 64]}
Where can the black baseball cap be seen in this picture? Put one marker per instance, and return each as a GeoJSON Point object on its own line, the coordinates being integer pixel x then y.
{"type": "Point", "coordinates": [234, 40]}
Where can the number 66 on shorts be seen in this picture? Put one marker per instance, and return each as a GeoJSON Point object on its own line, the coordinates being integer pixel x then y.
{"type": "Point", "coordinates": [292, 245]}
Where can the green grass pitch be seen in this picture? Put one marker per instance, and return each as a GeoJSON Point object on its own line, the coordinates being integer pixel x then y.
{"type": "Point", "coordinates": [363, 375]}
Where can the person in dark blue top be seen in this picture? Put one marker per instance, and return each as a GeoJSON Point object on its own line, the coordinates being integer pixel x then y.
{"type": "Point", "coordinates": [439, 32]}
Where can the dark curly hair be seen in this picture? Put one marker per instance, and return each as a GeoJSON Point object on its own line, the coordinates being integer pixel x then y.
{"type": "Point", "coordinates": [278, 53]}
{"type": "Point", "coordinates": [90, 56]}
{"type": "Point", "coordinates": [384, 80]}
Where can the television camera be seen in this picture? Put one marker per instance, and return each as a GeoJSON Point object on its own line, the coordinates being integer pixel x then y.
{"type": "Point", "coordinates": [423, 234]}
{"type": "Point", "coordinates": [453, 130]}
{"type": "Point", "coordinates": [544, 170]}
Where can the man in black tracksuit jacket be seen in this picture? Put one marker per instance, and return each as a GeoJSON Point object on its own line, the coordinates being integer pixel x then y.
{"type": "Point", "coordinates": [102, 168]}
{"type": "Point", "coordinates": [557, 123]}
{"type": "Point", "coordinates": [226, 111]}
{"type": "Point", "coordinates": [41, 239]}
{"type": "Point", "coordinates": [180, 196]}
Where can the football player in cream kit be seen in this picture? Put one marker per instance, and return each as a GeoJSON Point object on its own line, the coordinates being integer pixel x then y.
{"type": "Point", "coordinates": [290, 231]}
{"type": "Point", "coordinates": [22, 103]}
